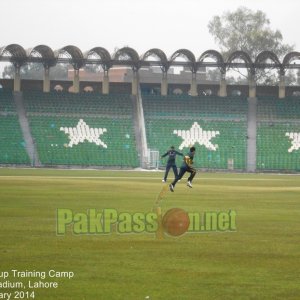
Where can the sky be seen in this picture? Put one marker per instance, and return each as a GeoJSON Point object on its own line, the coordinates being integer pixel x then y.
{"type": "Point", "coordinates": [140, 24]}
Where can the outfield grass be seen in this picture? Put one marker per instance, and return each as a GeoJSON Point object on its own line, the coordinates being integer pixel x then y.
{"type": "Point", "coordinates": [260, 260]}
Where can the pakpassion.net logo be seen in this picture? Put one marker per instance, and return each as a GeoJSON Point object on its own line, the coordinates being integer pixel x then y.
{"type": "Point", "coordinates": [174, 222]}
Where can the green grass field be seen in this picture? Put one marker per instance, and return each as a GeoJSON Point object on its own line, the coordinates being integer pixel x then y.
{"type": "Point", "coordinates": [260, 260]}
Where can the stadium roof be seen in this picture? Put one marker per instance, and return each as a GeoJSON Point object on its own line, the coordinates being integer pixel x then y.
{"type": "Point", "coordinates": [17, 55]}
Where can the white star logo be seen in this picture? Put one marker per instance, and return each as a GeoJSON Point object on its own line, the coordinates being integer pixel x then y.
{"type": "Point", "coordinates": [83, 132]}
{"type": "Point", "coordinates": [197, 135]}
{"type": "Point", "coordinates": [295, 139]}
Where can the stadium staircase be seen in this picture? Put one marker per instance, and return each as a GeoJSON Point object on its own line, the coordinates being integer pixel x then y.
{"type": "Point", "coordinates": [29, 141]}
{"type": "Point", "coordinates": [139, 127]}
{"type": "Point", "coordinates": [251, 135]}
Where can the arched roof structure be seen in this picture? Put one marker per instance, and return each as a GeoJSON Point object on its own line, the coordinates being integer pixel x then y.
{"type": "Point", "coordinates": [156, 52]}
{"type": "Point", "coordinates": [290, 57]}
{"type": "Point", "coordinates": [241, 55]}
{"type": "Point", "coordinates": [211, 54]}
{"type": "Point", "coordinates": [98, 55]}
{"type": "Point", "coordinates": [216, 56]}
{"type": "Point", "coordinates": [128, 56]}
{"type": "Point", "coordinates": [74, 55]}
{"type": "Point", "coordinates": [267, 55]}
{"type": "Point", "coordinates": [264, 56]}
{"type": "Point", "coordinates": [187, 55]}
{"type": "Point", "coordinates": [43, 54]}
{"type": "Point", "coordinates": [15, 53]}
{"type": "Point", "coordinates": [162, 58]}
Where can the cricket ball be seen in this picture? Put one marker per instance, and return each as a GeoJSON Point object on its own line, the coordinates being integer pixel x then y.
{"type": "Point", "coordinates": [176, 221]}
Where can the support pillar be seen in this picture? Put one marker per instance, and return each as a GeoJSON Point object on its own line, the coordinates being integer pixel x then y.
{"type": "Point", "coordinates": [281, 86]}
{"type": "Point", "coordinates": [252, 86]}
{"type": "Point", "coordinates": [17, 79]}
{"type": "Point", "coordinates": [194, 91]}
{"type": "Point", "coordinates": [105, 83]}
{"type": "Point", "coordinates": [135, 83]}
{"type": "Point", "coordinates": [164, 84]}
{"type": "Point", "coordinates": [223, 87]}
{"type": "Point", "coordinates": [46, 82]}
{"type": "Point", "coordinates": [76, 81]}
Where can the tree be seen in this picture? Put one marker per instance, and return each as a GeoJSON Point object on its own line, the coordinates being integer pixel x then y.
{"type": "Point", "coordinates": [8, 72]}
{"type": "Point", "coordinates": [32, 71]}
{"type": "Point", "coordinates": [248, 31]}
{"type": "Point", "coordinates": [36, 71]}
{"type": "Point", "coordinates": [59, 72]}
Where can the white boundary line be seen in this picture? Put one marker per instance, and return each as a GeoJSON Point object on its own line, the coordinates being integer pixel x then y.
{"type": "Point", "coordinates": [128, 178]}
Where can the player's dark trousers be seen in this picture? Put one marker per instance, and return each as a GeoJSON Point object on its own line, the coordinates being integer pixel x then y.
{"type": "Point", "coordinates": [182, 172]}
{"type": "Point", "coordinates": [168, 167]}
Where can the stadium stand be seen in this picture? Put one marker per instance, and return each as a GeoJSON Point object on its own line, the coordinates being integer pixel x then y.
{"type": "Point", "coordinates": [217, 126]}
{"type": "Point", "coordinates": [91, 129]}
{"type": "Point", "coordinates": [278, 128]}
{"type": "Point", "coordinates": [86, 129]}
{"type": "Point", "coordinates": [12, 145]}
